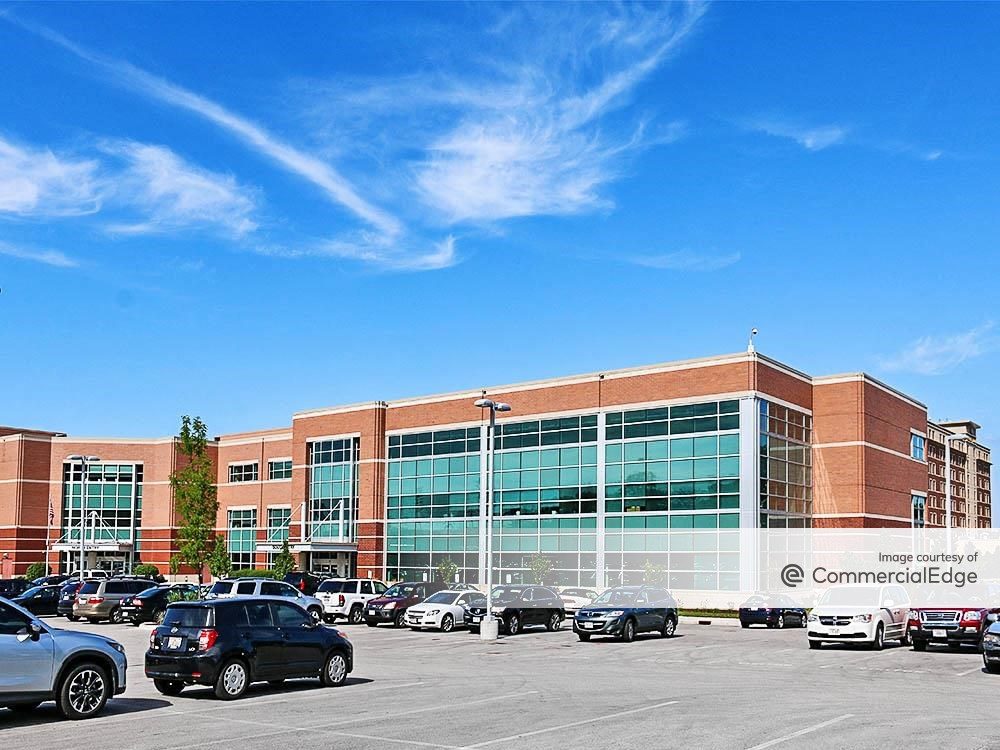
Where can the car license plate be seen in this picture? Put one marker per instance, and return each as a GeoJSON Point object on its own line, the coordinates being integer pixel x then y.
{"type": "Point", "coordinates": [939, 633]}
{"type": "Point", "coordinates": [477, 618]}
{"type": "Point", "coordinates": [590, 625]}
{"type": "Point", "coordinates": [371, 612]}
{"type": "Point", "coordinates": [834, 631]}
{"type": "Point", "coordinates": [173, 642]}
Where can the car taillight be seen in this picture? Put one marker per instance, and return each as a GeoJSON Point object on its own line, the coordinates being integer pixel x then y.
{"type": "Point", "coordinates": [137, 602]}
{"type": "Point", "coordinates": [152, 639]}
{"type": "Point", "coordinates": [95, 600]}
{"type": "Point", "coordinates": [207, 639]}
{"type": "Point", "coordinates": [340, 600]}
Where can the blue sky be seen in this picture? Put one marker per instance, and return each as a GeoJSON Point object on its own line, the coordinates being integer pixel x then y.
{"type": "Point", "coordinates": [240, 211]}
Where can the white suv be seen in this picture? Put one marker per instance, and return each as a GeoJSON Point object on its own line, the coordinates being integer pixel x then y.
{"type": "Point", "coordinates": [346, 597]}
{"type": "Point", "coordinates": [860, 614]}
{"type": "Point", "coordinates": [267, 588]}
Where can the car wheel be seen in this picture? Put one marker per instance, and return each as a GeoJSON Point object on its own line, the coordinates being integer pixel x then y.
{"type": "Point", "coordinates": [669, 627]}
{"type": "Point", "coordinates": [744, 625]}
{"type": "Point", "coordinates": [316, 615]}
{"type": "Point", "coordinates": [879, 641]}
{"type": "Point", "coordinates": [116, 617]}
{"type": "Point", "coordinates": [168, 687]}
{"type": "Point", "coordinates": [356, 614]}
{"type": "Point", "coordinates": [400, 619]}
{"type": "Point", "coordinates": [780, 624]}
{"type": "Point", "coordinates": [93, 620]}
{"type": "Point", "coordinates": [84, 691]}
{"type": "Point", "coordinates": [583, 636]}
{"type": "Point", "coordinates": [628, 631]}
{"type": "Point", "coordinates": [232, 681]}
{"type": "Point", "coordinates": [335, 670]}
{"type": "Point", "coordinates": [919, 645]}
{"type": "Point", "coordinates": [815, 644]}
{"type": "Point", "coordinates": [554, 622]}
{"type": "Point", "coordinates": [514, 624]}
{"type": "Point", "coordinates": [474, 629]}
{"type": "Point", "coordinates": [72, 618]}
{"type": "Point", "coordinates": [991, 668]}
{"type": "Point", "coordinates": [447, 624]}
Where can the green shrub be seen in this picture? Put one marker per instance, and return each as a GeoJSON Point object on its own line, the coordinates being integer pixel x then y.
{"type": "Point", "coordinates": [146, 570]}
{"type": "Point", "coordinates": [252, 573]}
{"type": "Point", "coordinates": [36, 570]}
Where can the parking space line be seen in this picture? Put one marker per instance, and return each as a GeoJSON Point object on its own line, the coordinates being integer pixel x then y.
{"type": "Point", "coordinates": [569, 725]}
{"type": "Point", "coordinates": [807, 730]}
{"type": "Point", "coordinates": [415, 743]}
{"type": "Point", "coordinates": [969, 671]}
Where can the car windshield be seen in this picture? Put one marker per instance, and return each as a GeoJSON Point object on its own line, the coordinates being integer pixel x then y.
{"type": "Point", "coordinates": [441, 597]}
{"type": "Point", "coordinates": [400, 590]}
{"type": "Point", "coordinates": [31, 592]}
{"type": "Point", "coordinates": [151, 591]}
{"type": "Point", "coordinates": [187, 617]}
{"type": "Point", "coordinates": [90, 587]}
{"type": "Point", "coordinates": [507, 594]}
{"type": "Point", "coordinates": [850, 596]}
{"type": "Point", "coordinates": [221, 587]}
{"type": "Point", "coordinates": [617, 597]}
{"type": "Point", "coordinates": [334, 587]}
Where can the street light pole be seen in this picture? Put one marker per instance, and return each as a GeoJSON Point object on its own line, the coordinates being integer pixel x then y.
{"type": "Point", "coordinates": [83, 461]}
{"type": "Point", "coordinates": [489, 627]}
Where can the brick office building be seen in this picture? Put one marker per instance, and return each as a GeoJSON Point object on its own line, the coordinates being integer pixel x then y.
{"type": "Point", "coordinates": [588, 468]}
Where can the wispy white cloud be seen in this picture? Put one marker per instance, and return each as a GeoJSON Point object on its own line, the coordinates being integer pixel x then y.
{"type": "Point", "coordinates": [48, 257]}
{"type": "Point", "coordinates": [811, 138]}
{"type": "Point", "coordinates": [37, 182]}
{"type": "Point", "coordinates": [374, 250]}
{"type": "Point", "coordinates": [173, 193]}
{"type": "Point", "coordinates": [933, 355]}
{"type": "Point", "coordinates": [687, 260]}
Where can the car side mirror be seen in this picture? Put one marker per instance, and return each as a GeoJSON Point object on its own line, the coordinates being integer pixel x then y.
{"type": "Point", "coordinates": [30, 633]}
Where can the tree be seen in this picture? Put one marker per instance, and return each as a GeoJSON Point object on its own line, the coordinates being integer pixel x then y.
{"type": "Point", "coordinates": [219, 564]}
{"type": "Point", "coordinates": [284, 562]}
{"type": "Point", "coordinates": [653, 574]}
{"type": "Point", "coordinates": [195, 497]}
{"type": "Point", "coordinates": [36, 570]}
{"type": "Point", "coordinates": [146, 571]}
{"type": "Point", "coordinates": [446, 570]}
{"type": "Point", "coordinates": [540, 567]}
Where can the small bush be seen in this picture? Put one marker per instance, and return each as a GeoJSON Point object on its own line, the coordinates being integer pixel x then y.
{"type": "Point", "coordinates": [36, 570]}
{"type": "Point", "coordinates": [252, 573]}
{"type": "Point", "coordinates": [147, 571]}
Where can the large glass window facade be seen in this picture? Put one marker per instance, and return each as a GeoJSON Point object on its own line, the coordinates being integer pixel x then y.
{"type": "Point", "coordinates": [785, 436]}
{"type": "Point", "coordinates": [333, 489]}
{"type": "Point", "coordinates": [109, 499]}
{"type": "Point", "coordinates": [278, 520]}
{"type": "Point", "coordinates": [432, 503]}
{"type": "Point", "coordinates": [241, 539]}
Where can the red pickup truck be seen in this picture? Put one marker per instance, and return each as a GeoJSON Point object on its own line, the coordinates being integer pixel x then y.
{"type": "Point", "coordinates": [951, 621]}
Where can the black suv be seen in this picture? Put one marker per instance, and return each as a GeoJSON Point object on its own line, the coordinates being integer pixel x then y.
{"type": "Point", "coordinates": [625, 611]}
{"type": "Point", "coordinates": [11, 587]}
{"type": "Point", "coordinates": [307, 583]}
{"type": "Point", "coordinates": [518, 607]}
{"type": "Point", "coordinates": [229, 643]}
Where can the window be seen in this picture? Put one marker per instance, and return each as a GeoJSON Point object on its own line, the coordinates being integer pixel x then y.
{"type": "Point", "coordinates": [917, 447]}
{"type": "Point", "coordinates": [242, 537]}
{"type": "Point", "coordinates": [259, 615]}
{"type": "Point", "coordinates": [919, 505]}
{"type": "Point", "coordinates": [246, 588]}
{"type": "Point", "coordinates": [243, 472]}
{"type": "Point", "coordinates": [366, 587]}
{"type": "Point", "coordinates": [289, 616]}
{"type": "Point", "coordinates": [279, 469]}
{"type": "Point", "coordinates": [11, 621]}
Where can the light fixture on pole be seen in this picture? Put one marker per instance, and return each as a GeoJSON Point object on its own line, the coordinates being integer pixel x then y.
{"type": "Point", "coordinates": [489, 628]}
{"type": "Point", "coordinates": [750, 346]}
{"type": "Point", "coordinates": [84, 461]}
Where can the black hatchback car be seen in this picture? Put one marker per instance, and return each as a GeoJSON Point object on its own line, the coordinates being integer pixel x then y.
{"type": "Point", "coordinates": [774, 610]}
{"type": "Point", "coordinates": [626, 611]}
{"type": "Point", "coordinates": [227, 644]}
{"type": "Point", "coordinates": [39, 600]}
{"type": "Point", "coordinates": [151, 605]}
{"type": "Point", "coordinates": [518, 607]}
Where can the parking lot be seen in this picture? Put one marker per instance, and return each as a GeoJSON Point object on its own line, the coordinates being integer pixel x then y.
{"type": "Point", "coordinates": [712, 686]}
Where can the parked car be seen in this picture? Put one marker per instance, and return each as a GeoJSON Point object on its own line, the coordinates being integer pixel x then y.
{"type": "Point", "coordinates": [518, 607]}
{"type": "Point", "coordinates": [949, 618]}
{"type": "Point", "coordinates": [772, 610]}
{"type": "Point", "coordinates": [626, 611]}
{"type": "Point", "coordinates": [444, 610]}
{"type": "Point", "coordinates": [91, 573]}
{"type": "Point", "coordinates": [51, 580]}
{"type": "Point", "coordinates": [991, 645]}
{"type": "Point", "coordinates": [98, 600]}
{"type": "Point", "coordinates": [229, 643]}
{"type": "Point", "coordinates": [79, 671]}
{"type": "Point", "coordinates": [346, 597]}
{"type": "Point", "coordinates": [307, 583]}
{"type": "Point", "coordinates": [870, 615]}
{"type": "Point", "coordinates": [67, 598]}
{"type": "Point", "coordinates": [266, 587]}
{"type": "Point", "coordinates": [575, 598]}
{"type": "Point", "coordinates": [11, 587]}
{"type": "Point", "coordinates": [463, 587]}
{"type": "Point", "coordinates": [39, 600]}
{"type": "Point", "coordinates": [391, 606]}
{"type": "Point", "coordinates": [151, 604]}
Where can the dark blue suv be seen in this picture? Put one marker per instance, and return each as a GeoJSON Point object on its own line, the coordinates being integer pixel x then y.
{"type": "Point", "coordinates": [227, 644]}
{"type": "Point", "coordinates": [626, 611]}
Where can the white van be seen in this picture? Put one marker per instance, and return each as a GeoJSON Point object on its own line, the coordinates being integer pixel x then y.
{"type": "Point", "coordinates": [868, 614]}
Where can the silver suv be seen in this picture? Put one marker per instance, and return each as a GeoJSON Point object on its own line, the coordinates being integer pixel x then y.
{"type": "Point", "coordinates": [79, 671]}
{"type": "Point", "coordinates": [267, 588]}
{"type": "Point", "coordinates": [99, 600]}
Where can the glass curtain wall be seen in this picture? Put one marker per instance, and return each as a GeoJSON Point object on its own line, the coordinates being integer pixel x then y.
{"type": "Point", "coordinates": [785, 467]}
{"type": "Point", "coordinates": [241, 537]}
{"type": "Point", "coordinates": [114, 492]}
{"type": "Point", "coordinates": [333, 489]}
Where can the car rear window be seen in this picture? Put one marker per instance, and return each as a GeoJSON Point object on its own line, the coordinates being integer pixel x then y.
{"type": "Point", "coordinates": [337, 587]}
{"type": "Point", "coordinates": [90, 587]}
{"type": "Point", "coordinates": [221, 587]}
{"type": "Point", "coordinates": [188, 617]}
